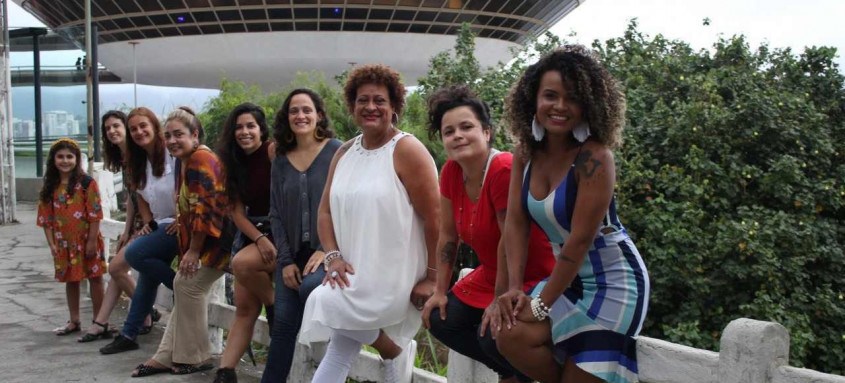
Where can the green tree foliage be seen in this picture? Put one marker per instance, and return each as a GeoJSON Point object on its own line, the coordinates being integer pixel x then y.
{"type": "Point", "coordinates": [731, 179]}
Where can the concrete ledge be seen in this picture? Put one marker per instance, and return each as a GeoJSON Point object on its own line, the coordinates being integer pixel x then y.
{"type": "Point", "coordinates": [27, 189]}
{"type": "Point", "coordinates": [660, 361]}
{"type": "Point", "coordinates": [787, 374]}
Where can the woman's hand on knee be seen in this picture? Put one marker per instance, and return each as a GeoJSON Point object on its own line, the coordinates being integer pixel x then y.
{"type": "Point", "coordinates": [266, 249]}
{"type": "Point", "coordinates": [438, 300]}
{"type": "Point", "coordinates": [493, 318]}
{"type": "Point", "coordinates": [510, 304]}
{"type": "Point", "coordinates": [314, 262]}
{"type": "Point", "coordinates": [291, 276]}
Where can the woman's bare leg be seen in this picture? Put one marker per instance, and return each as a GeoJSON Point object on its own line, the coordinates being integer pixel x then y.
{"type": "Point", "coordinates": [247, 309]}
{"type": "Point", "coordinates": [254, 274]}
{"type": "Point", "coordinates": [527, 346]}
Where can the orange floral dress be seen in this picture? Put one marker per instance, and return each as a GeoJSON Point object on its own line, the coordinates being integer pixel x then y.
{"type": "Point", "coordinates": [70, 216]}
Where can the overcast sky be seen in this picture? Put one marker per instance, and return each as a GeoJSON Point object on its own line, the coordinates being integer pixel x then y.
{"type": "Point", "coordinates": [780, 23]}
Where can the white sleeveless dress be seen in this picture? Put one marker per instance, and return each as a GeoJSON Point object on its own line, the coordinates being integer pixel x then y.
{"type": "Point", "coordinates": [381, 236]}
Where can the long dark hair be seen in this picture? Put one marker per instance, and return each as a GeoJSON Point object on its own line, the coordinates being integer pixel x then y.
{"type": "Point", "coordinates": [283, 134]}
{"type": "Point", "coordinates": [137, 163]}
{"type": "Point", "coordinates": [113, 159]}
{"type": "Point", "coordinates": [52, 179]}
{"type": "Point", "coordinates": [232, 155]}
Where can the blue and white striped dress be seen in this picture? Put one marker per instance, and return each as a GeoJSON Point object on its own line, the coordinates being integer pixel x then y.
{"type": "Point", "coordinates": [597, 318]}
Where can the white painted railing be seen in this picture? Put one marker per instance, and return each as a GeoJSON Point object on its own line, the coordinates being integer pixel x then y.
{"type": "Point", "coordinates": [751, 351]}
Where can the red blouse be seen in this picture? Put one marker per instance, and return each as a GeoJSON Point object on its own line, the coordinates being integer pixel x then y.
{"type": "Point", "coordinates": [477, 227]}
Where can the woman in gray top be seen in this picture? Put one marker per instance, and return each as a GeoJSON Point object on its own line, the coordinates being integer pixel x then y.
{"type": "Point", "coordinates": [304, 150]}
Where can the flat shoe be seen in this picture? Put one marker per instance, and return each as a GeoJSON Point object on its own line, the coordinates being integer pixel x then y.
{"type": "Point", "coordinates": [144, 370]}
{"type": "Point", "coordinates": [184, 369]}
{"type": "Point", "coordinates": [67, 330]}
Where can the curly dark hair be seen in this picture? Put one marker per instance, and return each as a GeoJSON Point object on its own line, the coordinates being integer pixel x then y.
{"type": "Point", "coordinates": [52, 178]}
{"type": "Point", "coordinates": [375, 74]}
{"type": "Point", "coordinates": [113, 158]}
{"type": "Point", "coordinates": [451, 97]}
{"type": "Point", "coordinates": [232, 155]}
{"type": "Point", "coordinates": [592, 86]}
{"type": "Point", "coordinates": [283, 134]}
{"type": "Point", "coordinates": [137, 161]}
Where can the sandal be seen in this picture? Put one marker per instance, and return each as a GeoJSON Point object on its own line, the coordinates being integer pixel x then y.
{"type": "Point", "coordinates": [67, 329]}
{"type": "Point", "coordinates": [89, 337]}
{"type": "Point", "coordinates": [145, 330]}
{"type": "Point", "coordinates": [143, 370]}
{"type": "Point", "coordinates": [184, 369]}
{"type": "Point", "coordinates": [155, 315]}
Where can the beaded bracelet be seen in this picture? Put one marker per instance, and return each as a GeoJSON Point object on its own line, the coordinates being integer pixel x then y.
{"type": "Point", "coordinates": [539, 309]}
{"type": "Point", "coordinates": [255, 241]}
{"type": "Point", "coordinates": [330, 257]}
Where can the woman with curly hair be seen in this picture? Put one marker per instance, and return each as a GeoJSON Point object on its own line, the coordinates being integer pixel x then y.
{"type": "Point", "coordinates": [246, 152]}
{"type": "Point", "coordinates": [580, 324]}
{"type": "Point", "coordinates": [378, 224]}
{"type": "Point", "coordinates": [473, 204]}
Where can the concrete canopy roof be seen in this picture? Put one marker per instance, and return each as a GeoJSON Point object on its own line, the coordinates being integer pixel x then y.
{"type": "Point", "coordinates": [195, 43]}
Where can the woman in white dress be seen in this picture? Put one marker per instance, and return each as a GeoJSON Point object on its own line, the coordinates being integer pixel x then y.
{"type": "Point", "coordinates": [378, 224]}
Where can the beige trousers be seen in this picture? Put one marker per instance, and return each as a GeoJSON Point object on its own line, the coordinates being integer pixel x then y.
{"type": "Point", "coordinates": [185, 340]}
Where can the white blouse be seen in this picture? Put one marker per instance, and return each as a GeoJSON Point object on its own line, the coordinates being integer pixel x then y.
{"type": "Point", "coordinates": [160, 192]}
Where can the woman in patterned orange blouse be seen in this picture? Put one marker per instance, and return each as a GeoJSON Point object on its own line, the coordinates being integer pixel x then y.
{"type": "Point", "coordinates": [69, 211]}
{"type": "Point", "coordinates": [201, 206]}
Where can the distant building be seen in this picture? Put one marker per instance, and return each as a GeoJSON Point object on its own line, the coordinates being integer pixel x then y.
{"type": "Point", "coordinates": [23, 129]}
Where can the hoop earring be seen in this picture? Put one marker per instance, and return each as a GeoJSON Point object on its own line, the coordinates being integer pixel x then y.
{"type": "Point", "coordinates": [581, 132]}
{"type": "Point", "coordinates": [537, 130]}
{"type": "Point", "coordinates": [289, 138]}
{"type": "Point", "coordinates": [394, 119]}
{"type": "Point", "coordinates": [317, 135]}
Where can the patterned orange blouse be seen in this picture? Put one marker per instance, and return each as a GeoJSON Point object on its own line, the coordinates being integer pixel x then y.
{"type": "Point", "coordinates": [70, 217]}
{"type": "Point", "coordinates": [202, 206]}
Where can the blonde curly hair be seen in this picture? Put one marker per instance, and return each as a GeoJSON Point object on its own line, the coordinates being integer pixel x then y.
{"type": "Point", "coordinates": [593, 87]}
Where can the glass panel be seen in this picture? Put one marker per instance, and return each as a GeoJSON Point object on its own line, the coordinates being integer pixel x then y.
{"type": "Point", "coordinates": [254, 14]}
{"type": "Point", "coordinates": [257, 27]}
{"type": "Point", "coordinates": [398, 27]}
{"type": "Point", "coordinates": [234, 28]}
{"type": "Point", "coordinates": [353, 27]}
{"type": "Point", "coordinates": [211, 29]}
{"type": "Point", "coordinates": [376, 27]}
{"type": "Point", "coordinates": [189, 30]}
{"type": "Point", "coordinates": [356, 13]}
{"type": "Point", "coordinates": [304, 13]}
{"type": "Point", "coordinates": [201, 17]}
{"type": "Point", "coordinates": [282, 26]}
{"type": "Point", "coordinates": [229, 15]}
{"type": "Point", "coordinates": [330, 26]}
{"type": "Point", "coordinates": [331, 13]}
{"type": "Point", "coordinates": [149, 5]}
{"type": "Point", "coordinates": [309, 26]}
{"type": "Point", "coordinates": [160, 19]}
{"type": "Point", "coordinates": [279, 14]}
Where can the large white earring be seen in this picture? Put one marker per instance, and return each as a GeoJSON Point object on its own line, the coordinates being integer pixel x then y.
{"type": "Point", "coordinates": [581, 132]}
{"type": "Point", "coordinates": [537, 130]}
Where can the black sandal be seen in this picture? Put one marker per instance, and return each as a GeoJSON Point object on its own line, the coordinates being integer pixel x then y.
{"type": "Point", "coordinates": [145, 330]}
{"type": "Point", "coordinates": [144, 370]}
{"type": "Point", "coordinates": [185, 369]}
{"type": "Point", "coordinates": [67, 330]}
{"type": "Point", "coordinates": [89, 337]}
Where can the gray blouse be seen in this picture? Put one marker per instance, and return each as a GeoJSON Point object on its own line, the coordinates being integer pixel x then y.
{"type": "Point", "coordinates": [294, 199]}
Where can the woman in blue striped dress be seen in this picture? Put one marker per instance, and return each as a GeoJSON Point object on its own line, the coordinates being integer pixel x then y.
{"type": "Point", "coordinates": [581, 323]}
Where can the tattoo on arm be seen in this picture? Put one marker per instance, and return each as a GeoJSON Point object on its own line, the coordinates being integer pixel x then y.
{"type": "Point", "coordinates": [586, 164]}
{"type": "Point", "coordinates": [449, 253]}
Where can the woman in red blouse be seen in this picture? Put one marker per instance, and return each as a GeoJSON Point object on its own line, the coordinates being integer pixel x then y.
{"type": "Point", "coordinates": [474, 198]}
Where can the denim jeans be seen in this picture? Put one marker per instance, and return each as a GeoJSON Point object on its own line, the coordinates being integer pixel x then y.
{"type": "Point", "coordinates": [151, 255]}
{"type": "Point", "coordinates": [460, 332]}
{"type": "Point", "coordinates": [288, 306]}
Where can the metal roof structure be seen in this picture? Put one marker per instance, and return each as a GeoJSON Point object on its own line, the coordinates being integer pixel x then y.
{"type": "Point", "coordinates": [499, 25]}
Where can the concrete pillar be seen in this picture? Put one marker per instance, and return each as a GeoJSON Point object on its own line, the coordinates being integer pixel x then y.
{"type": "Point", "coordinates": [215, 334]}
{"type": "Point", "coordinates": [464, 369]}
{"type": "Point", "coordinates": [751, 350]}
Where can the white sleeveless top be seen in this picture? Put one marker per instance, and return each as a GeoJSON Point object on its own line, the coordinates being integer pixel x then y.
{"type": "Point", "coordinates": [380, 235]}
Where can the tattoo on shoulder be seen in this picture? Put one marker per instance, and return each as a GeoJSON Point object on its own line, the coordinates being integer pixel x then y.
{"type": "Point", "coordinates": [449, 253]}
{"type": "Point", "coordinates": [586, 164]}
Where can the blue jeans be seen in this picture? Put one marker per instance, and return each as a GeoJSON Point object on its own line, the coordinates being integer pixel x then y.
{"type": "Point", "coordinates": [151, 255]}
{"type": "Point", "coordinates": [288, 306]}
{"type": "Point", "coordinates": [460, 332]}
